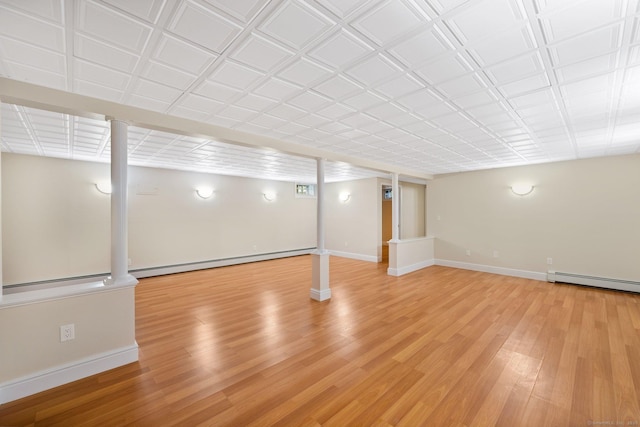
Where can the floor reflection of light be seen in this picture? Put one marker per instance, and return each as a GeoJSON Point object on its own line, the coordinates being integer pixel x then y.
{"type": "Point", "coordinates": [204, 347]}
{"type": "Point", "coordinates": [271, 317]}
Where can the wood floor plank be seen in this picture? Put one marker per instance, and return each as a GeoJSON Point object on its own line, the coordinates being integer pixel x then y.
{"type": "Point", "coordinates": [245, 345]}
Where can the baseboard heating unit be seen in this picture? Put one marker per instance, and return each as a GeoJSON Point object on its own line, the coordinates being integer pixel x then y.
{"type": "Point", "coordinates": [599, 282]}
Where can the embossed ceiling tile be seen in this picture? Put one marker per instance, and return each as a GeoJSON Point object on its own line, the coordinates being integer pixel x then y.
{"type": "Point", "coordinates": [236, 113]}
{"type": "Point", "coordinates": [254, 102]}
{"type": "Point", "coordinates": [580, 17]}
{"type": "Point", "coordinates": [443, 69]}
{"type": "Point", "coordinates": [516, 68]}
{"type": "Point", "coordinates": [309, 101]}
{"type": "Point", "coordinates": [168, 76]}
{"type": "Point", "coordinates": [104, 54]}
{"type": "Point", "coordinates": [338, 87]}
{"type": "Point", "coordinates": [32, 56]}
{"type": "Point", "coordinates": [399, 86]}
{"type": "Point", "coordinates": [388, 21]}
{"type": "Point", "coordinates": [111, 26]}
{"type": "Point", "coordinates": [152, 90]}
{"type": "Point", "coordinates": [244, 10]}
{"type": "Point", "coordinates": [201, 103]}
{"type": "Point", "coordinates": [592, 44]}
{"type": "Point", "coordinates": [101, 75]}
{"type": "Point", "coordinates": [503, 46]}
{"type": "Point", "coordinates": [179, 54]}
{"type": "Point", "coordinates": [335, 111]}
{"type": "Point", "coordinates": [421, 48]}
{"type": "Point", "coordinates": [525, 85]}
{"type": "Point", "coordinates": [461, 86]}
{"type": "Point", "coordinates": [296, 24]}
{"type": "Point", "coordinates": [305, 72]}
{"type": "Point", "coordinates": [277, 90]}
{"type": "Point", "coordinates": [145, 9]}
{"type": "Point", "coordinates": [583, 69]}
{"type": "Point", "coordinates": [343, 8]}
{"type": "Point", "coordinates": [217, 91]}
{"type": "Point", "coordinates": [203, 27]}
{"type": "Point", "coordinates": [30, 30]}
{"type": "Point", "coordinates": [260, 53]}
{"type": "Point", "coordinates": [340, 50]}
{"type": "Point", "coordinates": [373, 70]}
{"type": "Point", "coordinates": [364, 100]}
{"type": "Point", "coordinates": [484, 18]}
{"type": "Point", "coordinates": [235, 75]}
{"type": "Point", "coordinates": [98, 91]}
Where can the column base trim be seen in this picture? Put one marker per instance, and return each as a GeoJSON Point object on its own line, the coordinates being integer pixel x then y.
{"type": "Point", "coordinates": [322, 295]}
{"type": "Point", "coordinates": [121, 281]}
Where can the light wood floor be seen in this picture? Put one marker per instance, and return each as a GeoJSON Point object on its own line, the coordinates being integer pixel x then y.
{"type": "Point", "coordinates": [245, 345]}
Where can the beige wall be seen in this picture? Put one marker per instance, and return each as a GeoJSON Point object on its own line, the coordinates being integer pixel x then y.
{"type": "Point", "coordinates": [30, 334]}
{"type": "Point", "coordinates": [354, 227]}
{"type": "Point", "coordinates": [412, 210]}
{"type": "Point", "coordinates": [56, 224]}
{"type": "Point", "coordinates": [583, 214]}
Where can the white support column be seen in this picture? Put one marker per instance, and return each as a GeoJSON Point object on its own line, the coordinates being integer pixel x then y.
{"type": "Point", "coordinates": [395, 208]}
{"type": "Point", "coordinates": [395, 225]}
{"type": "Point", "coordinates": [320, 290]}
{"type": "Point", "coordinates": [119, 258]}
{"type": "Point", "coordinates": [1, 291]}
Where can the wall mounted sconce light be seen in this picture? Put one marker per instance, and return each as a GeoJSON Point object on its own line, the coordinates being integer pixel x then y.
{"type": "Point", "coordinates": [522, 189]}
{"type": "Point", "coordinates": [104, 187]}
{"type": "Point", "coordinates": [344, 197]}
{"type": "Point", "coordinates": [269, 196]}
{"type": "Point", "coordinates": [204, 192]}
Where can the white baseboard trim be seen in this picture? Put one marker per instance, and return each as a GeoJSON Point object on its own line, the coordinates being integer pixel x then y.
{"type": "Point", "coordinates": [182, 268]}
{"type": "Point", "coordinates": [54, 377]}
{"type": "Point", "coordinates": [322, 295]}
{"type": "Point", "coordinates": [525, 274]}
{"type": "Point", "coordinates": [410, 268]}
{"type": "Point", "coordinates": [351, 255]}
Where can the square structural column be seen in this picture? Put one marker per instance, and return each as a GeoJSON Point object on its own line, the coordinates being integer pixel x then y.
{"type": "Point", "coordinates": [119, 206]}
{"type": "Point", "coordinates": [320, 290]}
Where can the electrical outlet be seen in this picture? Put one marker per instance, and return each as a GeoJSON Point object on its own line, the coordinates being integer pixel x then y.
{"type": "Point", "coordinates": [128, 261]}
{"type": "Point", "coordinates": [549, 261]}
{"type": "Point", "coordinates": [468, 252]}
{"type": "Point", "coordinates": [67, 332]}
{"type": "Point", "coordinates": [496, 254]}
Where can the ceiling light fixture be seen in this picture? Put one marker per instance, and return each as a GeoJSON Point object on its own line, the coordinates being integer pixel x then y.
{"type": "Point", "coordinates": [522, 189]}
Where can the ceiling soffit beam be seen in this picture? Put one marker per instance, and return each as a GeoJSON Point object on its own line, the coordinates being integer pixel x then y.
{"type": "Point", "coordinates": [44, 98]}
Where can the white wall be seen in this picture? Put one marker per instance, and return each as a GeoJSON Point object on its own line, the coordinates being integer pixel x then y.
{"type": "Point", "coordinates": [56, 224]}
{"type": "Point", "coordinates": [583, 214]}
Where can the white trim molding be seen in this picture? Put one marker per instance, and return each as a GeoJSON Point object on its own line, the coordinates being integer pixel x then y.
{"type": "Point", "coordinates": [525, 274]}
{"type": "Point", "coordinates": [351, 255]}
{"type": "Point", "coordinates": [410, 268]}
{"type": "Point", "coordinates": [54, 377]}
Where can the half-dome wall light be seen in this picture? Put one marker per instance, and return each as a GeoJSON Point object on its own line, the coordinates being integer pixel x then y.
{"type": "Point", "coordinates": [522, 189]}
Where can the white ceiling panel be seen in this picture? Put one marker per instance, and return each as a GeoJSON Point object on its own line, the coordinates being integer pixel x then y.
{"type": "Point", "coordinates": [296, 24]}
{"type": "Point", "coordinates": [340, 50]}
{"type": "Point", "coordinates": [244, 10]}
{"type": "Point", "coordinates": [260, 53]}
{"type": "Point", "coordinates": [434, 85]}
{"type": "Point", "coordinates": [388, 21]}
{"type": "Point", "coordinates": [31, 29]}
{"type": "Point", "coordinates": [203, 26]}
{"type": "Point", "coordinates": [420, 48]}
{"type": "Point", "coordinates": [111, 26]}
